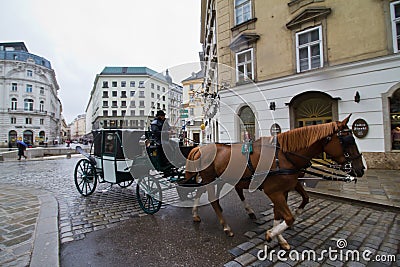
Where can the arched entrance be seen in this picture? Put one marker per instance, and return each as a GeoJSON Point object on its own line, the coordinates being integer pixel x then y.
{"type": "Point", "coordinates": [247, 123]}
{"type": "Point", "coordinates": [28, 136]}
{"type": "Point", "coordinates": [312, 108]}
{"type": "Point", "coordinates": [395, 119]}
{"type": "Point", "coordinates": [42, 137]}
{"type": "Point", "coordinates": [12, 138]}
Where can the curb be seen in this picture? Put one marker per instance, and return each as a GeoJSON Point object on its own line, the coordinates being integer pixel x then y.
{"type": "Point", "coordinates": [46, 245]}
{"type": "Point", "coordinates": [345, 198]}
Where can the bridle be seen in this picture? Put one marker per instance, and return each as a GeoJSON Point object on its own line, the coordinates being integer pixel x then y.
{"type": "Point", "coordinates": [346, 140]}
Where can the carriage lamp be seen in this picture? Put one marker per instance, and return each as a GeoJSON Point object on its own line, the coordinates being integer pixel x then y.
{"type": "Point", "coordinates": [357, 97]}
{"type": "Point", "coordinates": [272, 106]}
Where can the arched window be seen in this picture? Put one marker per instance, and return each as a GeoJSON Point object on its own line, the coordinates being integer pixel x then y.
{"type": "Point", "coordinates": [395, 119]}
{"type": "Point", "coordinates": [14, 103]}
{"type": "Point", "coordinates": [12, 137]}
{"type": "Point", "coordinates": [28, 136]}
{"type": "Point", "coordinates": [28, 104]}
{"type": "Point", "coordinates": [41, 106]}
{"type": "Point", "coordinates": [247, 123]}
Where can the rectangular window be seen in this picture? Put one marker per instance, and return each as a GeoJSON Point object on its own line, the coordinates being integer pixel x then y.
{"type": "Point", "coordinates": [395, 16]}
{"type": "Point", "coordinates": [242, 11]}
{"type": "Point", "coordinates": [132, 93]}
{"type": "Point", "coordinates": [42, 90]}
{"type": "Point", "coordinates": [132, 112]}
{"type": "Point", "coordinates": [133, 104]}
{"type": "Point", "coordinates": [28, 120]}
{"type": "Point", "coordinates": [141, 112]}
{"type": "Point", "coordinates": [41, 121]}
{"type": "Point", "coordinates": [141, 84]}
{"type": "Point", "coordinates": [123, 84]}
{"type": "Point", "coordinates": [141, 94]}
{"type": "Point", "coordinates": [105, 84]}
{"type": "Point", "coordinates": [114, 104]}
{"type": "Point", "coordinates": [114, 113]}
{"type": "Point", "coordinates": [114, 84]}
{"type": "Point", "coordinates": [13, 120]}
{"type": "Point", "coordinates": [29, 73]}
{"type": "Point", "coordinates": [123, 94]}
{"type": "Point", "coordinates": [14, 87]}
{"type": "Point", "coordinates": [244, 65]}
{"type": "Point", "coordinates": [105, 94]}
{"type": "Point", "coordinates": [141, 104]}
{"type": "Point", "coordinates": [114, 93]}
{"type": "Point", "coordinates": [132, 84]}
{"type": "Point", "coordinates": [152, 95]}
{"type": "Point", "coordinates": [152, 85]}
{"type": "Point", "coordinates": [123, 104]}
{"type": "Point", "coordinates": [105, 113]}
{"type": "Point", "coordinates": [309, 49]}
{"type": "Point", "coordinates": [29, 88]}
{"type": "Point", "coordinates": [105, 104]}
{"type": "Point", "coordinates": [158, 88]}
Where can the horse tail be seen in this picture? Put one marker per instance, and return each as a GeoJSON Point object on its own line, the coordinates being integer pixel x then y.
{"type": "Point", "coordinates": [191, 169]}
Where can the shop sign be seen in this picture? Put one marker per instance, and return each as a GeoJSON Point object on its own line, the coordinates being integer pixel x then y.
{"type": "Point", "coordinates": [184, 116]}
{"type": "Point", "coordinates": [275, 129]}
{"type": "Point", "coordinates": [360, 128]}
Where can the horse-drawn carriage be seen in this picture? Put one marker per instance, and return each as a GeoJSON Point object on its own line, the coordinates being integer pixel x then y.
{"type": "Point", "coordinates": [274, 165]}
{"type": "Point", "coordinates": [122, 156]}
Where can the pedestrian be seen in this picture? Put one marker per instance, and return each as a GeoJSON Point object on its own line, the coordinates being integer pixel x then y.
{"type": "Point", "coordinates": [21, 149]}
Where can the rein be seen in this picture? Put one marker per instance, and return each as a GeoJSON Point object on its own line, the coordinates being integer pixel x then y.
{"type": "Point", "coordinates": [344, 138]}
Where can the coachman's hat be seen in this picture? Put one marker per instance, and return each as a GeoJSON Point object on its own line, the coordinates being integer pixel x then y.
{"type": "Point", "coordinates": [160, 113]}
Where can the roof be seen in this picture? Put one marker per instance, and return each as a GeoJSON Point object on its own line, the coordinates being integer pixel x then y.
{"type": "Point", "coordinates": [18, 46]}
{"type": "Point", "coordinates": [195, 76]}
{"type": "Point", "coordinates": [132, 71]}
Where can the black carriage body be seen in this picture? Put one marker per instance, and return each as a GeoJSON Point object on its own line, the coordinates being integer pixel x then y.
{"type": "Point", "coordinates": [119, 153]}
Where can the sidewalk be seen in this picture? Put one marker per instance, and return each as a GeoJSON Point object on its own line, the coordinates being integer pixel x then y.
{"type": "Point", "coordinates": [380, 187]}
{"type": "Point", "coordinates": [29, 232]}
{"type": "Point", "coordinates": [29, 227]}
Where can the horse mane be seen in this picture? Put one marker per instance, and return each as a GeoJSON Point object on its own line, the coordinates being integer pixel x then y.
{"type": "Point", "coordinates": [304, 137]}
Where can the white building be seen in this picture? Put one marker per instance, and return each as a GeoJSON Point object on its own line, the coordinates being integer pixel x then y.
{"type": "Point", "coordinates": [126, 97]}
{"type": "Point", "coordinates": [30, 109]}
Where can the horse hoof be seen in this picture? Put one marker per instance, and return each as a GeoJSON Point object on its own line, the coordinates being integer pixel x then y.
{"type": "Point", "coordinates": [196, 219]}
{"type": "Point", "coordinates": [285, 246]}
{"type": "Point", "coordinates": [228, 232]}
{"type": "Point", "coordinates": [268, 236]}
{"type": "Point", "coordinates": [252, 216]}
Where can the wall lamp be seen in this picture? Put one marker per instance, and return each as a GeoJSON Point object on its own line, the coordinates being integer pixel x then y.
{"type": "Point", "coordinates": [357, 97]}
{"type": "Point", "coordinates": [272, 105]}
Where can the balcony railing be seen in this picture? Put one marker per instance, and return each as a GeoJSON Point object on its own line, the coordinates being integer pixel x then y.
{"type": "Point", "coordinates": [24, 111]}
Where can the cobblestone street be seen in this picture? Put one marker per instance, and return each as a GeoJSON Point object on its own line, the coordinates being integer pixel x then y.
{"type": "Point", "coordinates": [363, 227]}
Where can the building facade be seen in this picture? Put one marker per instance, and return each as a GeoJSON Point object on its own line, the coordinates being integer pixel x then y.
{"type": "Point", "coordinates": [127, 97]}
{"type": "Point", "coordinates": [192, 112]}
{"type": "Point", "coordinates": [30, 109]}
{"type": "Point", "coordinates": [78, 128]}
{"type": "Point", "coordinates": [304, 62]}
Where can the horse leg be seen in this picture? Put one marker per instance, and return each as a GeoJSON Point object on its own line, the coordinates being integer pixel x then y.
{"type": "Point", "coordinates": [195, 214]}
{"type": "Point", "coordinates": [246, 206]}
{"type": "Point", "coordinates": [218, 211]}
{"type": "Point", "coordinates": [281, 240]}
{"type": "Point", "coordinates": [281, 210]}
{"type": "Point", "coordinates": [305, 199]}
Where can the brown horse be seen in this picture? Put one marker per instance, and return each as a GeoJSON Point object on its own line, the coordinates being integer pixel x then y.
{"type": "Point", "coordinates": [279, 162]}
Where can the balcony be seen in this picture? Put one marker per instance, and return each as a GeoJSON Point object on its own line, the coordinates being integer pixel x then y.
{"type": "Point", "coordinates": [23, 111]}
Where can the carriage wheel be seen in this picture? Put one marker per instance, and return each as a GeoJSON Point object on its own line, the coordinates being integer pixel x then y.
{"type": "Point", "coordinates": [85, 177]}
{"type": "Point", "coordinates": [125, 184]}
{"type": "Point", "coordinates": [148, 193]}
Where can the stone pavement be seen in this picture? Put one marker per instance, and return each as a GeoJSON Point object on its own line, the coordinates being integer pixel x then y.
{"type": "Point", "coordinates": [28, 227]}
{"type": "Point", "coordinates": [33, 222]}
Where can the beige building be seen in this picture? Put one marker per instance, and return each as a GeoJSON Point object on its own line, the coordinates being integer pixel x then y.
{"type": "Point", "coordinates": [192, 113]}
{"type": "Point", "coordinates": [278, 65]}
{"type": "Point", "coordinates": [78, 128]}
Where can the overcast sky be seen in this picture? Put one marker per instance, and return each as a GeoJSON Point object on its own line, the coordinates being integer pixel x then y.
{"type": "Point", "coordinates": [81, 37]}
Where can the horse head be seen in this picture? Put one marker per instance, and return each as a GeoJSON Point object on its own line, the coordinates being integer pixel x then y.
{"type": "Point", "coordinates": [342, 147]}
